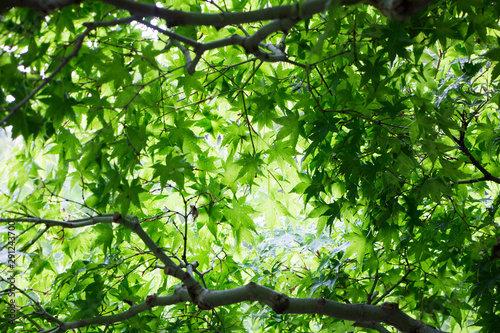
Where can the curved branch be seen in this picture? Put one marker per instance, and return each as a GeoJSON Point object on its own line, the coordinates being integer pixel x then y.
{"type": "Point", "coordinates": [181, 295]}
{"type": "Point", "coordinates": [364, 315]}
{"type": "Point", "coordinates": [399, 10]}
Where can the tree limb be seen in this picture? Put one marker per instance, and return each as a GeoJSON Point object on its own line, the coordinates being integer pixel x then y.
{"type": "Point", "coordinates": [174, 18]}
{"type": "Point", "coordinates": [78, 45]}
{"type": "Point", "coordinates": [18, 106]}
{"type": "Point", "coordinates": [364, 314]}
{"type": "Point", "coordinates": [399, 10]}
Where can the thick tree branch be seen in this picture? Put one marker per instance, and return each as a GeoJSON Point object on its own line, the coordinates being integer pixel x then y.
{"type": "Point", "coordinates": [297, 11]}
{"type": "Point", "coordinates": [399, 10]}
{"type": "Point", "coordinates": [364, 315]}
{"type": "Point", "coordinates": [472, 181]}
{"type": "Point", "coordinates": [251, 43]}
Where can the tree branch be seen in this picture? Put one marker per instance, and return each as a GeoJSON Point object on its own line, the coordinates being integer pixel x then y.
{"type": "Point", "coordinates": [487, 175]}
{"type": "Point", "coordinates": [179, 296]}
{"type": "Point", "coordinates": [364, 315]}
{"type": "Point", "coordinates": [400, 10]}
{"type": "Point", "coordinates": [78, 45]}
{"type": "Point", "coordinates": [393, 286]}
{"type": "Point", "coordinates": [18, 106]}
{"type": "Point", "coordinates": [174, 18]}
{"type": "Point", "coordinates": [472, 181]}
{"type": "Point", "coordinates": [251, 43]}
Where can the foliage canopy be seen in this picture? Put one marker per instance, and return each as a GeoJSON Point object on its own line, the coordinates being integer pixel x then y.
{"type": "Point", "coordinates": [164, 165]}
